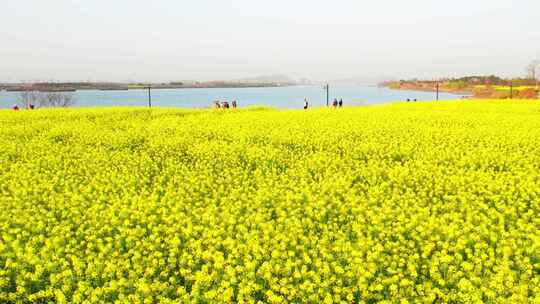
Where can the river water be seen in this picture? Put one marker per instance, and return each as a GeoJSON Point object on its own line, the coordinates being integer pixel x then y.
{"type": "Point", "coordinates": [280, 97]}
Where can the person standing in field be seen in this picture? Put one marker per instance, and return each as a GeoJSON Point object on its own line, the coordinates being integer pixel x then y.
{"type": "Point", "coordinates": [15, 107]}
{"type": "Point", "coordinates": [334, 103]}
{"type": "Point", "coordinates": [234, 104]}
{"type": "Point", "coordinates": [305, 104]}
{"type": "Point", "coordinates": [340, 103]}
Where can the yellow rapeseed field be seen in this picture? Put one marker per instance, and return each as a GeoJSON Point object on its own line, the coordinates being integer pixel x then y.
{"type": "Point", "coordinates": [400, 203]}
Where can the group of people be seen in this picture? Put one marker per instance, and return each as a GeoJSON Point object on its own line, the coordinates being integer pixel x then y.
{"type": "Point", "coordinates": [335, 103]}
{"type": "Point", "coordinates": [16, 107]}
{"type": "Point", "coordinates": [225, 104]}
{"type": "Point", "coordinates": [233, 104]}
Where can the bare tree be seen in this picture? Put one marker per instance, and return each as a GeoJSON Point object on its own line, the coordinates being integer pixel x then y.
{"type": "Point", "coordinates": [67, 100]}
{"type": "Point", "coordinates": [531, 69]}
{"type": "Point", "coordinates": [30, 97]}
{"type": "Point", "coordinates": [56, 99]}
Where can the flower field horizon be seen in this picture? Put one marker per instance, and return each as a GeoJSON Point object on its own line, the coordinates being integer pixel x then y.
{"type": "Point", "coordinates": [431, 202]}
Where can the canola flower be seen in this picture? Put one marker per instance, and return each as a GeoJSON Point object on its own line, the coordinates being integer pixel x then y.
{"type": "Point", "coordinates": [401, 203]}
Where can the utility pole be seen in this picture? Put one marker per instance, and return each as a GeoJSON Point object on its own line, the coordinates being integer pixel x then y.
{"type": "Point", "coordinates": [531, 69]}
{"type": "Point", "coordinates": [511, 89]}
{"type": "Point", "coordinates": [437, 94]}
{"type": "Point", "coordinates": [536, 64]}
{"type": "Point", "coordinates": [327, 88]}
{"type": "Point", "coordinates": [149, 96]}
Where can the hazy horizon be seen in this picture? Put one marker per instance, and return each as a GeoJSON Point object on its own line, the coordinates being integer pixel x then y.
{"type": "Point", "coordinates": [169, 40]}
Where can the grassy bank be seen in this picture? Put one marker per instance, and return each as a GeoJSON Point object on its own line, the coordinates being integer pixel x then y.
{"type": "Point", "coordinates": [500, 90]}
{"type": "Point", "coordinates": [410, 202]}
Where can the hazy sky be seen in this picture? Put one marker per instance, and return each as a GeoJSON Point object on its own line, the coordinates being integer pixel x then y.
{"type": "Point", "coordinates": [163, 40]}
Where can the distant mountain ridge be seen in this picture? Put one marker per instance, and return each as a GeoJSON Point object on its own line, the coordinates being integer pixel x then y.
{"type": "Point", "coordinates": [362, 80]}
{"type": "Point", "coordinates": [275, 78]}
{"type": "Point", "coordinates": [285, 79]}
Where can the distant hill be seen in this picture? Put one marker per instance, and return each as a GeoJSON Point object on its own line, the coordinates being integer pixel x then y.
{"type": "Point", "coordinates": [362, 80]}
{"type": "Point", "coordinates": [276, 78]}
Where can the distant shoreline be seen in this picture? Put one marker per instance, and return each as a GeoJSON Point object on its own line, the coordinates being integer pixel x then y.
{"type": "Point", "coordinates": [464, 94]}
{"type": "Point", "coordinates": [428, 88]}
{"type": "Point", "coordinates": [73, 87]}
{"type": "Point", "coordinates": [481, 91]}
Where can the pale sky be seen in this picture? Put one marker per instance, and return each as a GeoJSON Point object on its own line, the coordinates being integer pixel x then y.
{"type": "Point", "coordinates": [161, 40]}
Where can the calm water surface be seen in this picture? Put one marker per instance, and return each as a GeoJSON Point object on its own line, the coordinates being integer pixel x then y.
{"type": "Point", "coordinates": [280, 97]}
